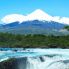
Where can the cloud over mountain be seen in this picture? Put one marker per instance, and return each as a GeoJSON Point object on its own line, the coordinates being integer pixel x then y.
{"type": "Point", "coordinates": [36, 15]}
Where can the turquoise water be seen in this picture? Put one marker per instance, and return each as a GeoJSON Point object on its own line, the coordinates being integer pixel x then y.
{"type": "Point", "coordinates": [11, 53]}
{"type": "Point", "coordinates": [39, 58]}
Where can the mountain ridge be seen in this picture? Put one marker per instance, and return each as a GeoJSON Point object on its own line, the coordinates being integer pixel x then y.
{"type": "Point", "coordinates": [35, 27]}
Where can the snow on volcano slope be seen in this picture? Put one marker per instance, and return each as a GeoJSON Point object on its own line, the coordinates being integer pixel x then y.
{"type": "Point", "coordinates": [36, 15]}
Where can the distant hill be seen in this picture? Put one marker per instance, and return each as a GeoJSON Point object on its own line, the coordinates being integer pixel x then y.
{"type": "Point", "coordinates": [34, 27]}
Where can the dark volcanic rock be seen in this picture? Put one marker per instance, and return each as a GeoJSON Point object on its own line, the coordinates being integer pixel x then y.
{"type": "Point", "coordinates": [18, 63]}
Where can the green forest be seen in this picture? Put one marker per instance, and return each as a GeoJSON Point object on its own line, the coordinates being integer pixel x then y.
{"type": "Point", "coordinates": [33, 41]}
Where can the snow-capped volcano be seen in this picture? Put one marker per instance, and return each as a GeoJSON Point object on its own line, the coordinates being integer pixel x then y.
{"type": "Point", "coordinates": [39, 15]}
{"type": "Point", "coordinates": [36, 15]}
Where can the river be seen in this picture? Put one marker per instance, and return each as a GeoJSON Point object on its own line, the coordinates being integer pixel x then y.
{"type": "Point", "coordinates": [37, 58]}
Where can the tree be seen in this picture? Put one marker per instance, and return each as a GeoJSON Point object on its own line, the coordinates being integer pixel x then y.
{"type": "Point", "coordinates": [66, 27]}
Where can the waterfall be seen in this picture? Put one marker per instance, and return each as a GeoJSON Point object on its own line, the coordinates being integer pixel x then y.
{"type": "Point", "coordinates": [21, 63]}
{"type": "Point", "coordinates": [38, 59]}
{"type": "Point", "coordinates": [44, 62]}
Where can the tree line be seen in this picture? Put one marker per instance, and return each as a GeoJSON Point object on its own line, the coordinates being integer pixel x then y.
{"type": "Point", "coordinates": [33, 41]}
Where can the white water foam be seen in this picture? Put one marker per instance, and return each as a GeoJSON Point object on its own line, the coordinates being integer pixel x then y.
{"type": "Point", "coordinates": [41, 58]}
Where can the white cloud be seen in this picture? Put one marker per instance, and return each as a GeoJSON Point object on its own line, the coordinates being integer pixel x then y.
{"type": "Point", "coordinates": [56, 19]}
{"type": "Point", "coordinates": [64, 20]}
{"type": "Point", "coordinates": [13, 18]}
{"type": "Point", "coordinates": [36, 15]}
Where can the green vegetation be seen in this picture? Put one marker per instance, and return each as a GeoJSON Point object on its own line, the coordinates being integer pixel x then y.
{"type": "Point", "coordinates": [34, 41]}
{"type": "Point", "coordinates": [66, 27]}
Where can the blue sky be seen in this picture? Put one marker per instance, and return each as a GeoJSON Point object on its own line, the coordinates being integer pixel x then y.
{"type": "Point", "coordinates": [52, 7]}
